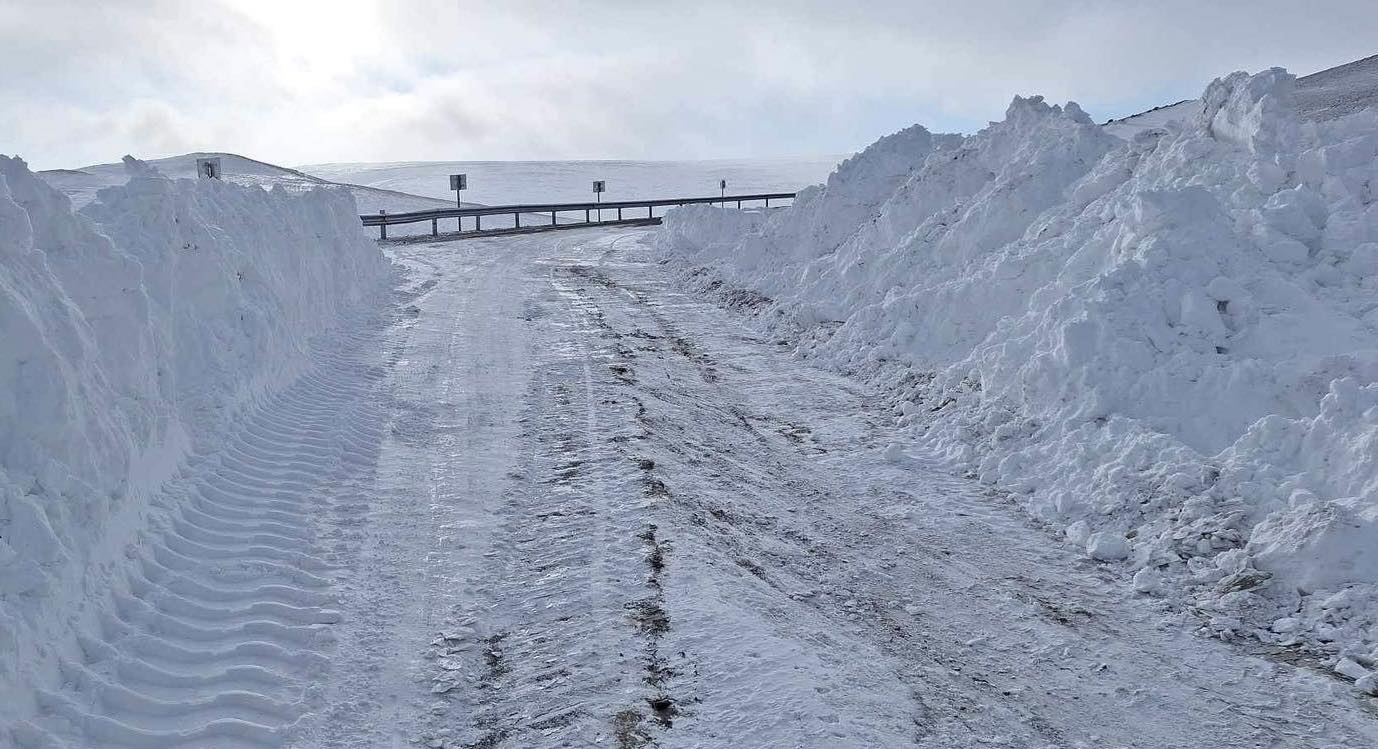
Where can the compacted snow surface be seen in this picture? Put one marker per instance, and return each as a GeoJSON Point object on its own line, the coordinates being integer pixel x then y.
{"type": "Point", "coordinates": [265, 485]}
{"type": "Point", "coordinates": [1165, 348]}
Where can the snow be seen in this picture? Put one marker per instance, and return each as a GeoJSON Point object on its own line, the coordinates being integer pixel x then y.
{"type": "Point", "coordinates": [1165, 345]}
{"type": "Point", "coordinates": [1157, 117]}
{"type": "Point", "coordinates": [538, 496]}
{"type": "Point", "coordinates": [134, 332]}
{"type": "Point", "coordinates": [1328, 94]}
{"type": "Point", "coordinates": [417, 186]}
{"type": "Point", "coordinates": [645, 524]}
{"type": "Point", "coordinates": [81, 185]}
{"type": "Point", "coordinates": [1340, 90]}
{"type": "Point", "coordinates": [1107, 546]}
{"type": "Point", "coordinates": [259, 487]}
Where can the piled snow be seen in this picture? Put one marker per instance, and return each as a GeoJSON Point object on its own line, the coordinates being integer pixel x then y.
{"type": "Point", "coordinates": [129, 332]}
{"type": "Point", "coordinates": [1157, 117]}
{"type": "Point", "coordinates": [1167, 346]}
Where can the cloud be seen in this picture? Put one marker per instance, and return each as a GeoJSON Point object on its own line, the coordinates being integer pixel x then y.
{"type": "Point", "coordinates": [297, 81]}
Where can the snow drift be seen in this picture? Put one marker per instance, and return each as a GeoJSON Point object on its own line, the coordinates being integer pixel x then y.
{"type": "Point", "coordinates": [1167, 346]}
{"type": "Point", "coordinates": [129, 332]}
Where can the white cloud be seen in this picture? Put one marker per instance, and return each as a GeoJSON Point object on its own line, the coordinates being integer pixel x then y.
{"type": "Point", "coordinates": [297, 81]}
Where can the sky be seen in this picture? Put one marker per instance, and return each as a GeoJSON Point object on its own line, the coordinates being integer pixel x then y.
{"type": "Point", "coordinates": [298, 82]}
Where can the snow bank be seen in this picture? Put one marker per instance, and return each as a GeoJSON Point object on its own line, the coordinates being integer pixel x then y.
{"type": "Point", "coordinates": [1167, 346]}
{"type": "Point", "coordinates": [128, 333]}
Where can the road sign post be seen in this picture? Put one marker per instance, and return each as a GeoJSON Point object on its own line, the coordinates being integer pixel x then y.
{"type": "Point", "coordinates": [208, 168]}
{"type": "Point", "coordinates": [459, 182]}
{"type": "Point", "coordinates": [599, 186]}
{"type": "Point", "coordinates": [722, 190]}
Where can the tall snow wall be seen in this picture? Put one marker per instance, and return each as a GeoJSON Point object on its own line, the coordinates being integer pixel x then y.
{"type": "Point", "coordinates": [129, 333]}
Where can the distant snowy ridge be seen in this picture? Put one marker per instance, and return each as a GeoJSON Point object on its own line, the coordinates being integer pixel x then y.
{"type": "Point", "coordinates": [1334, 92]}
{"type": "Point", "coordinates": [81, 185]}
{"type": "Point", "coordinates": [130, 333]}
{"type": "Point", "coordinates": [1166, 346]}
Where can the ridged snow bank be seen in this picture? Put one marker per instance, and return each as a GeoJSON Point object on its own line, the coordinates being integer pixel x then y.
{"type": "Point", "coordinates": [1168, 346]}
{"type": "Point", "coordinates": [132, 330]}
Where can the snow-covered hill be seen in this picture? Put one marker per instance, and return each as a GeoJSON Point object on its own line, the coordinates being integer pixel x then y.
{"type": "Point", "coordinates": [1340, 90]}
{"type": "Point", "coordinates": [1330, 93]}
{"type": "Point", "coordinates": [1165, 347]}
{"type": "Point", "coordinates": [82, 184]}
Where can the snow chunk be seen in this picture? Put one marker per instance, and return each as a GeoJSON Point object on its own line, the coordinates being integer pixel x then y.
{"type": "Point", "coordinates": [1253, 111]}
{"type": "Point", "coordinates": [1107, 546]}
{"type": "Point", "coordinates": [894, 453]}
{"type": "Point", "coordinates": [1353, 670]}
{"type": "Point", "coordinates": [1319, 546]}
{"type": "Point", "coordinates": [1148, 580]}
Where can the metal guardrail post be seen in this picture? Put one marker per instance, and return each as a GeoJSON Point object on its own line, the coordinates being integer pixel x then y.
{"type": "Point", "coordinates": [517, 220]}
{"type": "Point", "coordinates": [435, 227]}
{"type": "Point", "coordinates": [619, 214]}
{"type": "Point", "coordinates": [552, 218]}
{"type": "Point", "coordinates": [383, 227]}
{"type": "Point", "coordinates": [478, 222]}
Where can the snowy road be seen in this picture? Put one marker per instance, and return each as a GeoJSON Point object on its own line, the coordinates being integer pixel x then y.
{"type": "Point", "coordinates": [555, 503]}
{"type": "Point", "coordinates": [610, 515]}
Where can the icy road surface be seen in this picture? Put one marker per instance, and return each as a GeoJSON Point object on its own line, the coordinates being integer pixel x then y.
{"type": "Point", "coordinates": [609, 515]}
{"type": "Point", "coordinates": [546, 501]}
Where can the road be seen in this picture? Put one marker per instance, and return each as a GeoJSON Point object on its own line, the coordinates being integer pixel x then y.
{"type": "Point", "coordinates": [543, 499]}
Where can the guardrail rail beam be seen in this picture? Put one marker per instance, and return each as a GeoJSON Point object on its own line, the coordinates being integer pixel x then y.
{"type": "Point", "coordinates": [383, 219]}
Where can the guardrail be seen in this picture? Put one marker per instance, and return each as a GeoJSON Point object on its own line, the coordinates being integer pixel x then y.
{"type": "Point", "coordinates": [593, 213]}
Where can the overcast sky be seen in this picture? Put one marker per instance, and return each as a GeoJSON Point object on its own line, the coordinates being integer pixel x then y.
{"type": "Point", "coordinates": [300, 81]}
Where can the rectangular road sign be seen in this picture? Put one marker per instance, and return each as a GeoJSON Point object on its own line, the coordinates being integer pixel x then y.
{"type": "Point", "coordinates": [599, 186]}
{"type": "Point", "coordinates": [459, 181]}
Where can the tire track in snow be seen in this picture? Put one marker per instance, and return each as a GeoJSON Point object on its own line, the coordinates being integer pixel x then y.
{"type": "Point", "coordinates": [920, 608]}
{"type": "Point", "coordinates": [220, 620]}
{"type": "Point", "coordinates": [552, 655]}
